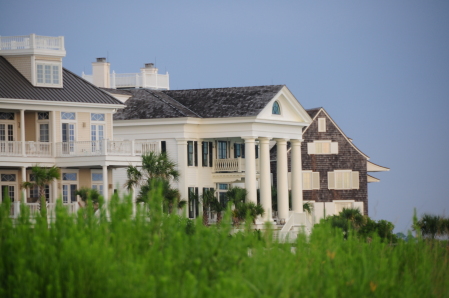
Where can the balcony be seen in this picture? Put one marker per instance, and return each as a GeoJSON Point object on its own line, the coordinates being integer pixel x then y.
{"type": "Point", "coordinates": [136, 80]}
{"type": "Point", "coordinates": [32, 44]}
{"type": "Point", "coordinates": [231, 165]}
{"type": "Point", "coordinates": [73, 149]}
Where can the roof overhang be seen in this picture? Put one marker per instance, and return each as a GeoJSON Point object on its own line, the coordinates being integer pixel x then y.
{"type": "Point", "coordinates": [372, 179]}
{"type": "Point", "coordinates": [14, 103]}
{"type": "Point", "coordinates": [372, 167]}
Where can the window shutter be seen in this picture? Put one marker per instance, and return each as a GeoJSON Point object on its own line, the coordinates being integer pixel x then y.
{"type": "Point", "coordinates": [311, 148]}
{"type": "Point", "coordinates": [210, 154]}
{"type": "Point", "coordinates": [195, 153]}
{"type": "Point", "coordinates": [321, 124]}
{"type": "Point", "coordinates": [235, 150]}
{"type": "Point", "coordinates": [257, 151]}
{"type": "Point", "coordinates": [355, 180]}
{"type": "Point", "coordinates": [315, 180]}
{"type": "Point", "coordinates": [163, 146]}
{"type": "Point", "coordinates": [306, 183]}
{"type": "Point", "coordinates": [334, 148]}
{"type": "Point", "coordinates": [331, 180]}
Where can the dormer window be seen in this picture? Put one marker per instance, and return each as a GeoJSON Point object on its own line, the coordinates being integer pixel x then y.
{"type": "Point", "coordinates": [48, 74]}
{"type": "Point", "coordinates": [276, 109]}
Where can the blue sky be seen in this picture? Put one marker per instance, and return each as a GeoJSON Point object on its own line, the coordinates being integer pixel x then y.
{"type": "Point", "coordinates": [380, 68]}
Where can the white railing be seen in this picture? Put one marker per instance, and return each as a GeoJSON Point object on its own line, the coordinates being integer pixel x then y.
{"type": "Point", "coordinates": [142, 147]}
{"type": "Point", "coordinates": [39, 149]}
{"type": "Point", "coordinates": [71, 207]}
{"type": "Point", "coordinates": [135, 80]}
{"type": "Point", "coordinates": [34, 207]}
{"type": "Point", "coordinates": [32, 41]}
{"type": "Point", "coordinates": [105, 147]}
{"type": "Point", "coordinates": [10, 148]}
{"type": "Point", "coordinates": [232, 165]}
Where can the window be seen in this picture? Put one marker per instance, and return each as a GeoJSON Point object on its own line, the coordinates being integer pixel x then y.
{"type": "Point", "coordinates": [276, 109]}
{"type": "Point", "coordinates": [97, 181]}
{"type": "Point", "coordinates": [68, 116]}
{"type": "Point", "coordinates": [43, 115]}
{"type": "Point", "coordinates": [222, 149]}
{"type": "Point", "coordinates": [339, 206]}
{"type": "Point", "coordinates": [97, 117]}
{"type": "Point", "coordinates": [192, 153]}
{"type": "Point", "coordinates": [322, 147]}
{"type": "Point", "coordinates": [6, 116]}
{"type": "Point", "coordinates": [222, 188]}
{"type": "Point", "coordinates": [69, 187]}
{"type": "Point", "coordinates": [193, 202]}
{"type": "Point", "coordinates": [206, 148]}
{"type": "Point", "coordinates": [343, 179]}
{"type": "Point", "coordinates": [239, 150]}
{"type": "Point", "coordinates": [310, 180]}
{"type": "Point", "coordinates": [163, 146]}
{"type": "Point", "coordinates": [48, 73]}
{"type": "Point", "coordinates": [8, 177]}
{"type": "Point", "coordinates": [321, 124]}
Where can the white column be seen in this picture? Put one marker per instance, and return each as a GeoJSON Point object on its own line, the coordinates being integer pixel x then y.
{"type": "Point", "coordinates": [53, 133]}
{"type": "Point", "coordinates": [296, 169]}
{"type": "Point", "coordinates": [250, 168]}
{"type": "Point", "coordinates": [282, 182]}
{"type": "Point", "coordinates": [182, 165]}
{"type": "Point", "coordinates": [22, 131]}
{"type": "Point", "coordinates": [54, 191]}
{"type": "Point", "coordinates": [105, 183]}
{"type": "Point", "coordinates": [265, 183]}
{"type": "Point", "coordinates": [24, 192]}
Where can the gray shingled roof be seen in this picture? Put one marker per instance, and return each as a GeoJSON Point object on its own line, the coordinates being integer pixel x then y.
{"type": "Point", "coordinates": [312, 112]}
{"type": "Point", "coordinates": [199, 103]}
{"type": "Point", "coordinates": [146, 104]}
{"type": "Point", "coordinates": [75, 89]}
{"type": "Point", "coordinates": [226, 102]}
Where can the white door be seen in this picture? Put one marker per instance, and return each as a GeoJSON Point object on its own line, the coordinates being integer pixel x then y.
{"type": "Point", "coordinates": [68, 138]}
{"type": "Point", "coordinates": [97, 135]}
{"type": "Point", "coordinates": [6, 136]}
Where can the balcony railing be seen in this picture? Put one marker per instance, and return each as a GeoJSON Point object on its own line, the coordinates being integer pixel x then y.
{"type": "Point", "coordinates": [32, 41]}
{"type": "Point", "coordinates": [79, 148]}
{"type": "Point", "coordinates": [136, 80]}
{"type": "Point", "coordinates": [232, 165]}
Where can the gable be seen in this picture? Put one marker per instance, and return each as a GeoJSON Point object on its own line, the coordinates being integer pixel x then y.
{"type": "Point", "coordinates": [290, 108]}
{"type": "Point", "coordinates": [333, 132]}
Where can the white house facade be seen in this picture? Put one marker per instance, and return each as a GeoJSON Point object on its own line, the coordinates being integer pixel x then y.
{"type": "Point", "coordinates": [221, 138]}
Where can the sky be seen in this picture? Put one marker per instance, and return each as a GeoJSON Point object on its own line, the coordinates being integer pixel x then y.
{"type": "Point", "coordinates": [379, 68]}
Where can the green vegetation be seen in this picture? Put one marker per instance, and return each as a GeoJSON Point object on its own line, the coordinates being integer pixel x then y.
{"type": "Point", "coordinates": [116, 255]}
{"type": "Point", "coordinates": [432, 225]}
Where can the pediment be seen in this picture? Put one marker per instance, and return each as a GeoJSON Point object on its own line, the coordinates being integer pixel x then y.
{"type": "Point", "coordinates": [290, 109]}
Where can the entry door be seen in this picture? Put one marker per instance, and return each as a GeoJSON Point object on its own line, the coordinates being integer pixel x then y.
{"type": "Point", "coordinates": [8, 190]}
{"type": "Point", "coordinates": [68, 138]}
{"type": "Point", "coordinates": [68, 193]}
{"type": "Point", "coordinates": [97, 135]}
{"type": "Point", "coordinates": [6, 135]}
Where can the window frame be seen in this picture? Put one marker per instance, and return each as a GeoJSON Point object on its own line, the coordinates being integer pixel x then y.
{"type": "Point", "coordinates": [343, 185]}
{"type": "Point", "coordinates": [277, 105]}
{"type": "Point", "coordinates": [52, 65]}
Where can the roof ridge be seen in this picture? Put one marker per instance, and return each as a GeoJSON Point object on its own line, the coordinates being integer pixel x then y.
{"type": "Point", "coordinates": [171, 105]}
{"type": "Point", "coordinates": [224, 88]}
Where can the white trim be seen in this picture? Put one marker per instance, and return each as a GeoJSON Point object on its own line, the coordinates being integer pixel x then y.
{"type": "Point", "coordinates": [58, 104]}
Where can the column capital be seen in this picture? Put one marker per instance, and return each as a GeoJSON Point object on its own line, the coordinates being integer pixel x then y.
{"type": "Point", "coordinates": [249, 138]}
{"type": "Point", "coordinates": [281, 140]}
{"type": "Point", "coordinates": [296, 141]}
{"type": "Point", "coordinates": [264, 139]}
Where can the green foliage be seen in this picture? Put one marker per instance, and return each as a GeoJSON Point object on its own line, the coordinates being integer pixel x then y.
{"type": "Point", "coordinates": [242, 209]}
{"type": "Point", "coordinates": [154, 254]}
{"type": "Point", "coordinates": [432, 225]}
{"type": "Point", "coordinates": [42, 177]}
{"type": "Point", "coordinates": [352, 221]}
{"type": "Point", "coordinates": [86, 193]}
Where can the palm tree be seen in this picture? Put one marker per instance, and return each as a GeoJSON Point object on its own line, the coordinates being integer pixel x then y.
{"type": "Point", "coordinates": [42, 177]}
{"type": "Point", "coordinates": [354, 216]}
{"type": "Point", "coordinates": [86, 193]}
{"type": "Point", "coordinates": [430, 225]}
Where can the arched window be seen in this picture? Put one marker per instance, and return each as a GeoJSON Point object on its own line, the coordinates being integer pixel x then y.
{"type": "Point", "coordinates": [276, 108]}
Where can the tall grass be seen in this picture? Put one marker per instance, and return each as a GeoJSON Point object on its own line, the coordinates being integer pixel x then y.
{"type": "Point", "coordinates": [118, 255]}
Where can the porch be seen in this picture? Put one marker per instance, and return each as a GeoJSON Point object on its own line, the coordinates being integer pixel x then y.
{"type": "Point", "coordinates": [232, 165]}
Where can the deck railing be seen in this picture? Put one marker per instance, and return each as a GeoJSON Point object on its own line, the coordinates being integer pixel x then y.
{"type": "Point", "coordinates": [135, 80]}
{"type": "Point", "coordinates": [232, 165]}
{"type": "Point", "coordinates": [78, 148]}
{"type": "Point", "coordinates": [32, 41]}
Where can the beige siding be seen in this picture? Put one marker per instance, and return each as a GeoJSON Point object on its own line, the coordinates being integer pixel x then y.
{"type": "Point", "coordinates": [84, 178]}
{"type": "Point", "coordinates": [22, 64]}
{"type": "Point", "coordinates": [109, 132]}
{"type": "Point", "coordinates": [30, 126]}
{"type": "Point", "coordinates": [46, 58]}
{"type": "Point", "coordinates": [83, 126]}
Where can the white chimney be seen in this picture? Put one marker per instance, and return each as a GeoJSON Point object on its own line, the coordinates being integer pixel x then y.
{"type": "Point", "coordinates": [101, 73]}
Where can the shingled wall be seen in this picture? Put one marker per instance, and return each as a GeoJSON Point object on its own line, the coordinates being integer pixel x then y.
{"type": "Point", "coordinates": [348, 158]}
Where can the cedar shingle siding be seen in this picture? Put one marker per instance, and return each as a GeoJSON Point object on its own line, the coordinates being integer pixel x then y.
{"type": "Point", "coordinates": [348, 158]}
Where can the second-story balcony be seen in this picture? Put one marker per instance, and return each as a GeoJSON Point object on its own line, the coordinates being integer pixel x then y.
{"type": "Point", "coordinates": [231, 165]}
{"type": "Point", "coordinates": [73, 149]}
